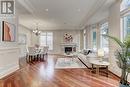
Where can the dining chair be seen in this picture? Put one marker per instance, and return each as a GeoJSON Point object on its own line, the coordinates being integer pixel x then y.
{"type": "Point", "coordinates": [46, 49]}
{"type": "Point", "coordinates": [44, 52]}
{"type": "Point", "coordinates": [31, 54]}
{"type": "Point", "coordinates": [38, 52]}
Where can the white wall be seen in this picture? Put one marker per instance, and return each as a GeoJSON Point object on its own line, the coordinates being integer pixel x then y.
{"type": "Point", "coordinates": [89, 32]}
{"type": "Point", "coordinates": [25, 31]}
{"type": "Point", "coordinates": [89, 36]}
{"type": "Point", "coordinates": [114, 30]}
{"type": "Point", "coordinates": [9, 51]}
{"type": "Point", "coordinates": [81, 44]}
{"type": "Point", "coordinates": [58, 39]}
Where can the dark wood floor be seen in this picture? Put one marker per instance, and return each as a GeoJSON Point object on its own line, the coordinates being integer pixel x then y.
{"type": "Point", "coordinates": [43, 74]}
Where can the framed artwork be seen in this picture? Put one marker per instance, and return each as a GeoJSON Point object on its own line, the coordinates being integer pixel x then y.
{"type": "Point", "coordinates": [68, 37]}
{"type": "Point", "coordinates": [22, 39]}
{"type": "Point", "coordinates": [8, 32]}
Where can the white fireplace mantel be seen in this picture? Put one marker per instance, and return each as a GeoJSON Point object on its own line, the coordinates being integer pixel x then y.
{"type": "Point", "coordinates": [69, 44]}
{"type": "Point", "coordinates": [64, 45]}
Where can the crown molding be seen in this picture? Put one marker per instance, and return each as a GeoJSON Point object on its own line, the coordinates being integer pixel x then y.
{"type": "Point", "coordinates": [53, 28]}
{"type": "Point", "coordinates": [24, 4]}
{"type": "Point", "coordinates": [28, 6]}
{"type": "Point", "coordinates": [95, 8]}
{"type": "Point", "coordinates": [119, 0]}
{"type": "Point", "coordinates": [24, 27]}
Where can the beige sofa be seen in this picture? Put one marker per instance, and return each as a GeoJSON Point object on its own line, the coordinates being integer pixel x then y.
{"type": "Point", "coordinates": [86, 59]}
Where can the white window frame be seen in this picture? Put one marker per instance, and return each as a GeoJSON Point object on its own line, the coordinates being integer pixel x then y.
{"type": "Point", "coordinates": [85, 39]}
{"type": "Point", "coordinates": [125, 12]}
{"type": "Point", "coordinates": [104, 24]}
{"type": "Point", "coordinates": [94, 29]}
{"type": "Point", "coordinates": [46, 35]}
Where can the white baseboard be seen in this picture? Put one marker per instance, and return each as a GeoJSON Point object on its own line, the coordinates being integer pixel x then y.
{"type": "Point", "coordinates": [4, 71]}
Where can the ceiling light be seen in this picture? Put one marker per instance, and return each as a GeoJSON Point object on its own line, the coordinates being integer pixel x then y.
{"type": "Point", "coordinates": [46, 9]}
{"type": "Point", "coordinates": [36, 31]}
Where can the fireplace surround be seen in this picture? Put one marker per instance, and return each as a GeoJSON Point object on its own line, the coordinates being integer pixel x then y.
{"type": "Point", "coordinates": [68, 48]}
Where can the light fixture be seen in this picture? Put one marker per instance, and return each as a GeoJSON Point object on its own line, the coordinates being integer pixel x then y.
{"type": "Point", "coordinates": [46, 9]}
{"type": "Point", "coordinates": [36, 31]}
{"type": "Point", "coordinates": [101, 54]}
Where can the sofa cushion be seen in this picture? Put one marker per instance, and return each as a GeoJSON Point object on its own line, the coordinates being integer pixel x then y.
{"type": "Point", "coordinates": [86, 59]}
{"type": "Point", "coordinates": [86, 51]}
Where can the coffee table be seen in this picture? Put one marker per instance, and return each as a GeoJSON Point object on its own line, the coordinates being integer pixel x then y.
{"type": "Point", "coordinates": [97, 63]}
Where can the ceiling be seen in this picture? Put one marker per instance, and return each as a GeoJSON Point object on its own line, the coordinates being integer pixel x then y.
{"type": "Point", "coordinates": [61, 14]}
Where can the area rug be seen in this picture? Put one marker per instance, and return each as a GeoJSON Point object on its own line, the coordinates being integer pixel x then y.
{"type": "Point", "coordinates": [64, 63]}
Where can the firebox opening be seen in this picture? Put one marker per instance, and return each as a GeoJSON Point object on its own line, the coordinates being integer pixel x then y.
{"type": "Point", "coordinates": [68, 49]}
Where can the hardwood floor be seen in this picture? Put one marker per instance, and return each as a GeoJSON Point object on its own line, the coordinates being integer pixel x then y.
{"type": "Point", "coordinates": [43, 74]}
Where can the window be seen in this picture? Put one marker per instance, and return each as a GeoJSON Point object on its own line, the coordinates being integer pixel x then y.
{"type": "Point", "coordinates": [126, 25]}
{"type": "Point", "coordinates": [125, 4]}
{"type": "Point", "coordinates": [104, 41]}
{"type": "Point", "coordinates": [94, 37]}
{"type": "Point", "coordinates": [94, 40]}
{"type": "Point", "coordinates": [84, 36]}
{"type": "Point", "coordinates": [125, 18]}
{"type": "Point", "coordinates": [46, 39]}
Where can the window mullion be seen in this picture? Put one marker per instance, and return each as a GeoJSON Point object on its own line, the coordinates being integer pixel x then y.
{"type": "Point", "coordinates": [46, 38]}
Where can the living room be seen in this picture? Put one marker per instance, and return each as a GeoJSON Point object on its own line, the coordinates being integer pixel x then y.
{"type": "Point", "coordinates": [63, 43]}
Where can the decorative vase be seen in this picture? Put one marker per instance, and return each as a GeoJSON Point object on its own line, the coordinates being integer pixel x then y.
{"type": "Point", "coordinates": [121, 85]}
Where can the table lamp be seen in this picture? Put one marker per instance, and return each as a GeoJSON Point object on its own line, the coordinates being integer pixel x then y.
{"type": "Point", "coordinates": [101, 54]}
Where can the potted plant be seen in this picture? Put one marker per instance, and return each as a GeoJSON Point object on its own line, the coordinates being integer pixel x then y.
{"type": "Point", "coordinates": [123, 58]}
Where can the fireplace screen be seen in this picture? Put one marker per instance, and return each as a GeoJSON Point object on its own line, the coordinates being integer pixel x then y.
{"type": "Point", "coordinates": [68, 49]}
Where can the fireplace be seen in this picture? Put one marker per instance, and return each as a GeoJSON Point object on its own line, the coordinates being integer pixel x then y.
{"type": "Point", "coordinates": [68, 49]}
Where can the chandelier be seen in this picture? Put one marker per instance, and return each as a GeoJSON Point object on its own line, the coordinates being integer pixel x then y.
{"type": "Point", "coordinates": [36, 31]}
